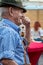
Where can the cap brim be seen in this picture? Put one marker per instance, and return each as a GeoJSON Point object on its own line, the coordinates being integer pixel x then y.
{"type": "Point", "coordinates": [10, 4]}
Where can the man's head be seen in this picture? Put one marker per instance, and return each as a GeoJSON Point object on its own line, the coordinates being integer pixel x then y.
{"type": "Point", "coordinates": [12, 9]}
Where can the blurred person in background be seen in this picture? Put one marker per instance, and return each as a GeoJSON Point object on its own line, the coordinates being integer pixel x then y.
{"type": "Point", "coordinates": [36, 32]}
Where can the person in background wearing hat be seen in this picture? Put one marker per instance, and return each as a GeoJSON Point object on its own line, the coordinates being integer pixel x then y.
{"type": "Point", "coordinates": [11, 47]}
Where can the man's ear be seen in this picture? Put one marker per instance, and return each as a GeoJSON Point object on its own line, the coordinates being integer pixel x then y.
{"type": "Point", "coordinates": [10, 11]}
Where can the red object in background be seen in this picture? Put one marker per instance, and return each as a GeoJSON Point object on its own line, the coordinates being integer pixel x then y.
{"type": "Point", "coordinates": [34, 50]}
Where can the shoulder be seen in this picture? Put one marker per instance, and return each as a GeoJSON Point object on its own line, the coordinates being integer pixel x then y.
{"type": "Point", "coordinates": [40, 29]}
{"type": "Point", "coordinates": [4, 30]}
{"type": "Point", "coordinates": [32, 29]}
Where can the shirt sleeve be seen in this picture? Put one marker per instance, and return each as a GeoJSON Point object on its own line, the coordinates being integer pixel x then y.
{"type": "Point", "coordinates": [7, 45]}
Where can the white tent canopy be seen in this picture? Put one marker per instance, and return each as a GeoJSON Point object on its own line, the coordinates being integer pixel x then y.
{"type": "Point", "coordinates": [33, 5]}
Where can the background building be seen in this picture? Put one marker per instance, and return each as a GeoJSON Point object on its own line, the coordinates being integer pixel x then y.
{"type": "Point", "coordinates": [35, 10]}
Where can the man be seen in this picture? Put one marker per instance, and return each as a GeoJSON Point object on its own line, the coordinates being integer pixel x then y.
{"type": "Point", "coordinates": [11, 47]}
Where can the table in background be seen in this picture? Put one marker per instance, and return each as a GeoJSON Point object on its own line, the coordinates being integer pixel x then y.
{"type": "Point", "coordinates": [34, 50]}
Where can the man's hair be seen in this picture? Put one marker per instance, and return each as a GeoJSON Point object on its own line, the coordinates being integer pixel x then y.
{"type": "Point", "coordinates": [2, 11]}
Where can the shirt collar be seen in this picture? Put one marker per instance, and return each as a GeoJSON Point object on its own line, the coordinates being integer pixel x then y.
{"type": "Point", "coordinates": [11, 24]}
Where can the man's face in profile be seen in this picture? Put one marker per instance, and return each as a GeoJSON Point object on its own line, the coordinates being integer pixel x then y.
{"type": "Point", "coordinates": [17, 13]}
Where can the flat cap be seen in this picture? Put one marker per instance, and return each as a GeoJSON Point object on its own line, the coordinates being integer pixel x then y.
{"type": "Point", "coordinates": [15, 3]}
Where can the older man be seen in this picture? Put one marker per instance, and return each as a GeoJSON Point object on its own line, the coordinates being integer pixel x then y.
{"type": "Point", "coordinates": [11, 47]}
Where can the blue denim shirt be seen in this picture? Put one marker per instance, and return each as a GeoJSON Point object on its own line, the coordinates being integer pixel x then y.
{"type": "Point", "coordinates": [10, 43]}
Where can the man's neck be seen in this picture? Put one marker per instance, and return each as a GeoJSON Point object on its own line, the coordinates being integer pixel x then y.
{"type": "Point", "coordinates": [11, 19]}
